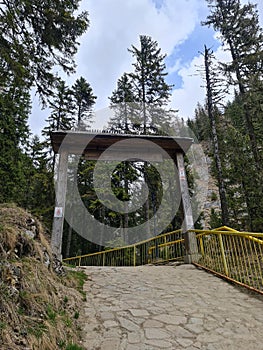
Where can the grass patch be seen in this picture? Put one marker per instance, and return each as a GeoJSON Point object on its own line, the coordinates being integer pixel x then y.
{"type": "Point", "coordinates": [74, 347]}
{"type": "Point", "coordinates": [37, 330]}
{"type": "Point", "coordinates": [67, 321]}
{"type": "Point", "coordinates": [51, 314]}
{"type": "Point", "coordinates": [2, 325]}
{"type": "Point", "coordinates": [80, 278]}
{"type": "Point", "coordinates": [61, 344]}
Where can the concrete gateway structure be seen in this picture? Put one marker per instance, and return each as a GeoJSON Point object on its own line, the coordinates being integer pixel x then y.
{"type": "Point", "coordinates": [108, 146]}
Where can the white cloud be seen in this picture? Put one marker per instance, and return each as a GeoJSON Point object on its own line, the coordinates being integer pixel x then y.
{"type": "Point", "coordinates": [185, 99]}
{"type": "Point", "coordinates": [115, 25]}
{"type": "Point", "coordinates": [192, 90]}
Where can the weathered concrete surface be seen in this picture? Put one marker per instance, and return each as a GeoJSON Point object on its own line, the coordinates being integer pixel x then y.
{"type": "Point", "coordinates": [168, 307]}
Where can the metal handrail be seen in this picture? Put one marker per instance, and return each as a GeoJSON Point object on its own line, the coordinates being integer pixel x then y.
{"type": "Point", "coordinates": [130, 253]}
{"type": "Point", "coordinates": [234, 255]}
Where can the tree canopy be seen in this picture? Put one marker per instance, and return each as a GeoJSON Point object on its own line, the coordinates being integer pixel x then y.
{"type": "Point", "coordinates": [35, 38]}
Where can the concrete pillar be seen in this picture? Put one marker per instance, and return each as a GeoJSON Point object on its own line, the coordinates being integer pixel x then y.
{"type": "Point", "coordinates": [191, 249]}
{"type": "Point", "coordinates": [58, 220]}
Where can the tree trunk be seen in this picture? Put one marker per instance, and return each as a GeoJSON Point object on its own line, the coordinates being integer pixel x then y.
{"type": "Point", "coordinates": [221, 183]}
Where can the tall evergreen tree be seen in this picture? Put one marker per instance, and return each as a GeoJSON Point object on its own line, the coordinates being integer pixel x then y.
{"type": "Point", "coordinates": [211, 108]}
{"type": "Point", "coordinates": [240, 31]}
{"type": "Point", "coordinates": [244, 195]}
{"type": "Point", "coordinates": [200, 125]}
{"type": "Point", "coordinates": [152, 93]}
{"type": "Point", "coordinates": [35, 38]}
{"type": "Point", "coordinates": [125, 108]}
{"type": "Point", "coordinates": [14, 132]}
{"type": "Point", "coordinates": [61, 116]}
{"type": "Point", "coordinates": [150, 88]}
{"type": "Point", "coordinates": [122, 102]}
{"type": "Point", "coordinates": [84, 100]}
{"type": "Point", "coordinates": [61, 106]}
{"type": "Point", "coordinates": [140, 106]}
{"type": "Point", "coordinates": [241, 34]}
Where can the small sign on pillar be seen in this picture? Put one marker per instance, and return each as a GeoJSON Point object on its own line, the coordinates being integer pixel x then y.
{"type": "Point", "coordinates": [182, 174]}
{"type": "Point", "coordinates": [58, 212]}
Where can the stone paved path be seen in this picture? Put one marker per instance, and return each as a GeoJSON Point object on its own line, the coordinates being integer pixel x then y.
{"type": "Point", "coordinates": [168, 307]}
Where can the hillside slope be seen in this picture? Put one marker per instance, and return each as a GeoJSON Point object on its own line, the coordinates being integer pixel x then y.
{"type": "Point", "coordinates": [40, 303]}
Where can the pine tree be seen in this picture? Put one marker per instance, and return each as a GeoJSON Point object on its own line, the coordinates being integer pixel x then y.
{"type": "Point", "coordinates": [152, 93]}
{"type": "Point", "coordinates": [36, 37]}
{"type": "Point", "coordinates": [61, 106]}
{"type": "Point", "coordinates": [201, 124]}
{"type": "Point", "coordinates": [150, 88]}
{"type": "Point", "coordinates": [123, 105]}
{"type": "Point", "coordinates": [61, 116]}
{"type": "Point", "coordinates": [84, 100]}
{"type": "Point", "coordinates": [39, 195]}
{"type": "Point", "coordinates": [211, 108]}
{"type": "Point", "coordinates": [244, 195]}
{"type": "Point", "coordinates": [14, 132]}
{"type": "Point", "coordinates": [242, 36]}
{"type": "Point", "coordinates": [239, 27]}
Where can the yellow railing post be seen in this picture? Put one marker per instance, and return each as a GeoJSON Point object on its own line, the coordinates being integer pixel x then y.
{"type": "Point", "coordinates": [149, 252]}
{"type": "Point", "coordinates": [202, 246]}
{"type": "Point", "coordinates": [79, 261]}
{"type": "Point", "coordinates": [103, 259]}
{"type": "Point", "coordinates": [134, 255]}
{"type": "Point", "coordinates": [166, 248]}
{"type": "Point", "coordinates": [223, 254]}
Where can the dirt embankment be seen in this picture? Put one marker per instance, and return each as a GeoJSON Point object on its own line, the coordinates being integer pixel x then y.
{"type": "Point", "coordinates": [40, 302]}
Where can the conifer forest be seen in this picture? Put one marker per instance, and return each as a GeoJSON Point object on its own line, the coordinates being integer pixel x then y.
{"type": "Point", "coordinates": [38, 47]}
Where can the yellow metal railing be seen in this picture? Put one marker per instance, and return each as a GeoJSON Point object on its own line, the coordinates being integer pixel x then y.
{"type": "Point", "coordinates": [166, 247]}
{"type": "Point", "coordinates": [237, 256]}
{"type": "Point", "coordinates": [167, 251]}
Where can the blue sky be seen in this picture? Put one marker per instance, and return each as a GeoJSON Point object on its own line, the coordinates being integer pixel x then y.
{"type": "Point", "coordinates": [158, 3]}
{"type": "Point", "coordinates": [188, 49]}
{"type": "Point", "coordinates": [115, 25]}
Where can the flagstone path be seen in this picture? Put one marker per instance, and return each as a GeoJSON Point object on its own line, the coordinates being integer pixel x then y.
{"type": "Point", "coordinates": [168, 307]}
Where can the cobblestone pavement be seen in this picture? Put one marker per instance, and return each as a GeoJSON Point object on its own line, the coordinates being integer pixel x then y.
{"type": "Point", "coordinates": [168, 307]}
